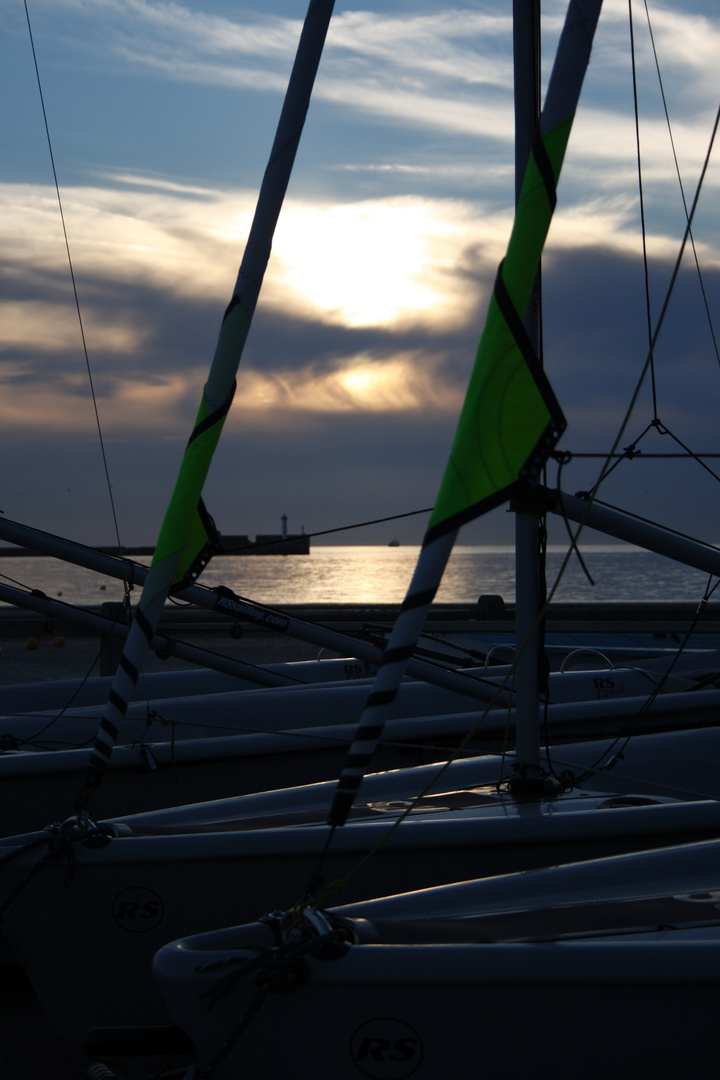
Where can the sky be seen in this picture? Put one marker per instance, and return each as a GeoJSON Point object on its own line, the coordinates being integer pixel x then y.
{"type": "Point", "coordinates": [161, 117]}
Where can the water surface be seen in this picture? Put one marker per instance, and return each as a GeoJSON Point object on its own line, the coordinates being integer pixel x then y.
{"type": "Point", "coordinates": [375, 574]}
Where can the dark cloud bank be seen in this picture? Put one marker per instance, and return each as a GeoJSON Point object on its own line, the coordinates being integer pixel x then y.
{"type": "Point", "coordinates": [328, 470]}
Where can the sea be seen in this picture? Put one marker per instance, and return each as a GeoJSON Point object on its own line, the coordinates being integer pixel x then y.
{"type": "Point", "coordinates": [381, 574]}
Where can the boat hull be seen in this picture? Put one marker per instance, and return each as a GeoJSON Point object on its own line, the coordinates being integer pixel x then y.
{"type": "Point", "coordinates": [86, 925]}
{"type": "Point", "coordinates": [567, 965]}
{"type": "Point", "coordinates": [431, 1012]}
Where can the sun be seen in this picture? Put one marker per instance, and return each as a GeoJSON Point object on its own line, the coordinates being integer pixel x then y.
{"type": "Point", "coordinates": [364, 264]}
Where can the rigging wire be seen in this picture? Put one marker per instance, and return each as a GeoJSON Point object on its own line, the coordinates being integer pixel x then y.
{"type": "Point", "coordinates": [631, 451]}
{"type": "Point", "coordinates": [663, 310]}
{"type": "Point", "coordinates": [342, 528]}
{"type": "Point", "coordinates": [643, 230]}
{"type": "Point", "coordinates": [680, 183]}
{"type": "Point", "coordinates": [74, 287]}
{"type": "Point", "coordinates": [612, 458]}
{"type": "Point", "coordinates": [641, 453]}
{"type": "Point", "coordinates": [610, 461]}
{"type": "Point", "coordinates": [632, 729]}
{"type": "Point", "coordinates": [647, 366]}
{"type": "Point", "coordinates": [687, 234]}
{"type": "Point", "coordinates": [688, 452]}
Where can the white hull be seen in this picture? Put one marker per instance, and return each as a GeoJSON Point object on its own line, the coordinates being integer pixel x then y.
{"type": "Point", "coordinates": [603, 987]}
{"type": "Point", "coordinates": [204, 745]}
{"type": "Point", "coordinates": [109, 908]}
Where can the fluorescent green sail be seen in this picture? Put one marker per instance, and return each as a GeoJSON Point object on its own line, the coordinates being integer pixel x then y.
{"type": "Point", "coordinates": [186, 528]}
{"type": "Point", "coordinates": [510, 420]}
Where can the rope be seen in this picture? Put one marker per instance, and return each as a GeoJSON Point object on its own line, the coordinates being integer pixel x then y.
{"type": "Point", "coordinates": [237, 1031]}
{"type": "Point", "coordinates": [58, 839]}
{"type": "Point", "coordinates": [281, 969]}
{"type": "Point", "coordinates": [341, 883]}
{"type": "Point", "coordinates": [567, 780]}
{"type": "Point", "coordinates": [610, 763]}
{"type": "Point", "coordinates": [562, 460]}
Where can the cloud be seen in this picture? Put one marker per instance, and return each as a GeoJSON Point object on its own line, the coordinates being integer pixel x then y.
{"type": "Point", "coordinates": [442, 79]}
{"type": "Point", "coordinates": [61, 402]}
{"type": "Point", "coordinates": [173, 238]}
{"type": "Point", "coordinates": [596, 341]}
{"type": "Point", "coordinates": [399, 211]}
{"type": "Point", "coordinates": [51, 327]}
{"type": "Point", "coordinates": [374, 307]}
{"type": "Point", "coordinates": [155, 265]}
{"type": "Point", "coordinates": [372, 262]}
{"type": "Point", "coordinates": [400, 383]}
{"type": "Point", "coordinates": [423, 100]}
{"type": "Point", "coordinates": [457, 44]}
{"type": "Point", "coordinates": [451, 53]}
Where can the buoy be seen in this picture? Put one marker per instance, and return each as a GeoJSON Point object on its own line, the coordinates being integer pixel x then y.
{"type": "Point", "coordinates": [58, 642]}
{"type": "Point", "coordinates": [32, 643]}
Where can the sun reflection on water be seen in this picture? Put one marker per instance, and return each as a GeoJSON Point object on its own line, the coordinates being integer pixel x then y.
{"type": "Point", "coordinates": [381, 574]}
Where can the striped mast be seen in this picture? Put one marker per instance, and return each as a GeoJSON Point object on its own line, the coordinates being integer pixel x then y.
{"type": "Point", "coordinates": [185, 542]}
{"type": "Point", "coordinates": [510, 420]}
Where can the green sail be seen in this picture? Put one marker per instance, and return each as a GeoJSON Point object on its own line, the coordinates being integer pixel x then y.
{"type": "Point", "coordinates": [187, 536]}
{"type": "Point", "coordinates": [511, 419]}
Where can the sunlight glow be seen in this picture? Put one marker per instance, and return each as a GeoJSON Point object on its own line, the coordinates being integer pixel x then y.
{"type": "Point", "coordinates": [372, 263]}
{"type": "Point", "coordinates": [403, 382]}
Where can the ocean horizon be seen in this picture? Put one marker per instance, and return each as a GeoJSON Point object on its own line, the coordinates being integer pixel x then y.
{"type": "Point", "coordinates": [370, 574]}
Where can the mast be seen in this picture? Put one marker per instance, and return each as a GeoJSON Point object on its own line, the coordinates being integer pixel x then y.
{"type": "Point", "coordinates": [528, 601]}
{"type": "Point", "coordinates": [510, 420]}
{"type": "Point", "coordinates": [187, 536]}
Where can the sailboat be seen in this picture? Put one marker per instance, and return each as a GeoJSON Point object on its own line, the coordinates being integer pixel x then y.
{"type": "Point", "coordinates": [205, 734]}
{"type": "Point", "coordinates": [157, 763]}
{"type": "Point", "coordinates": [87, 897]}
{"type": "Point", "coordinates": [241, 728]}
{"type": "Point", "coordinates": [609, 966]}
